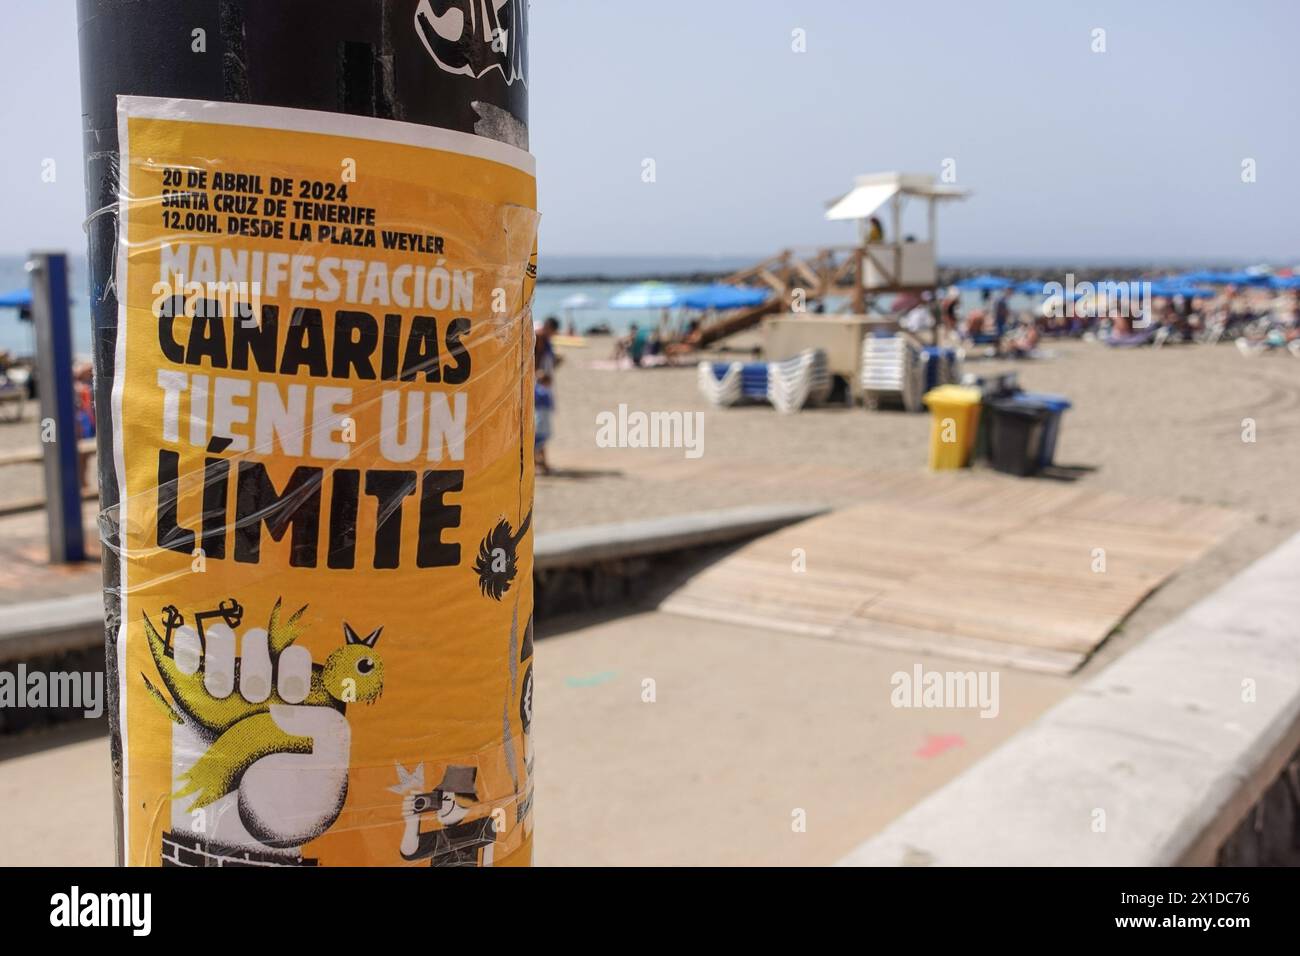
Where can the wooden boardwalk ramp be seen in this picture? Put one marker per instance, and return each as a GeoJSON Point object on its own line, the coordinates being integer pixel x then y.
{"type": "Point", "coordinates": [1026, 574]}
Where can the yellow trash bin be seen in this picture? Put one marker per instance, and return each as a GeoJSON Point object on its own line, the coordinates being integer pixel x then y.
{"type": "Point", "coordinates": [956, 414]}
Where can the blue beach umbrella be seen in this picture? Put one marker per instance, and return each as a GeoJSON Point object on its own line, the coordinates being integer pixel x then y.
{"type": "Point", "coordinates": [1202, 277]}
{"type": "Point", "coordinates": [1197, 276]}
{"type": "Point", "coordinates": [1210, 277]}
{"type": "Point", "coordinates": [576, 302]}
{"type": "Point", "coordinates": [719, 296]}
{"type": "Point", "coordinates": [17, 299]}
{"type": "Point", "coordinates": [646, 295]}
{"type": "Point", "coordinates": [1260, 279]}
{"type": "Point", "coordinates": [1284, 282]}
{"type": "Point", "coordinates": [1166, 289]}
{"type": "Point", "coordinates": [1035, 287]}
{"type": "Point", "coordinates": [579, 300]}
{"type": "Point", "coordinates": [985, 282]}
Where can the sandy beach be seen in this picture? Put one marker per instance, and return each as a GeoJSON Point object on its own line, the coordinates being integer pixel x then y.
{"type": "Point", "coordinates": [1160, 423]}
{"type": "Point", "coordinates": [1151, 424]}
{"type": "Point", "coordinates": [1164, 423]}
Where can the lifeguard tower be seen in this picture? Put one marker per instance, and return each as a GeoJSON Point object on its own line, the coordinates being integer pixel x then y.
{"type": "Point", "coordinates": [820, 298]}
{"type": "Point", "coordinates": [895, 263]}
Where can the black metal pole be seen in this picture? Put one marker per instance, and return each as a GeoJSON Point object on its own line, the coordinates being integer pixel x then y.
{"type": "Point", "coordinates": [379, 58]}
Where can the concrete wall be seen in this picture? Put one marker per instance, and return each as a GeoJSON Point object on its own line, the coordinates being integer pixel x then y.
{"type": "Point", "coordinates": [1180, 752]}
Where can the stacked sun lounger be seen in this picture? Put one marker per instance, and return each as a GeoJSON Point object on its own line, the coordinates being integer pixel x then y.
{"type": "Point", "coordinates": [753, 381]}
{"type": "Point", "coordinates": [789, 385]}
{"type": "Point", "coordinates": [730, 383]}
{"type": "Point", "coordinates": [894, 369]}
{"type": "Point", "coordinates": [719, 382]}
{"type": "Point", "coordinates": [802, 380]}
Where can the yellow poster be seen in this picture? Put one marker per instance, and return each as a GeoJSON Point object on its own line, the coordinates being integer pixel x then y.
{"type": "Point", "coordinates": [323, 434]}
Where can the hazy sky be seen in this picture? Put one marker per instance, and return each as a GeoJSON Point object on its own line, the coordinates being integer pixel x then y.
{"type": "Point", "coordinates": [1136, 151]}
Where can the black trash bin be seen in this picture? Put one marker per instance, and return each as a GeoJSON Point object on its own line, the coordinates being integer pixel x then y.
{"type": "Point", "coordinates": [994, 388]}
{"type": "Point", "coordinates": [1015, 435]}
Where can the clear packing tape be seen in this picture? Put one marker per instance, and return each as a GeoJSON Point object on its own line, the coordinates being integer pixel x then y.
{"type": "Point", "coordinates": [322, 411]}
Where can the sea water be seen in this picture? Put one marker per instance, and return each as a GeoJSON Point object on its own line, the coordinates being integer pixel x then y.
{"type": "Point", "coordinates": [18, 337]}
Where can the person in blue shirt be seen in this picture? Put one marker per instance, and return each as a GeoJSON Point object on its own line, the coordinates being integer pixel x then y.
{"type": "Point", "coordinates": [544, 364]}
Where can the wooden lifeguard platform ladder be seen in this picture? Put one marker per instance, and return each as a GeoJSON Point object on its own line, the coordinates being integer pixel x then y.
{"type": "Point", "coordinates": [891, 264]}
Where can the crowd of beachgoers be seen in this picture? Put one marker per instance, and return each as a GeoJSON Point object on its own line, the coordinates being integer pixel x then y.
{"type": "Point", "coordinates": [1259, 314]}
{"type": "Point", "coordinates": [1259, 311]}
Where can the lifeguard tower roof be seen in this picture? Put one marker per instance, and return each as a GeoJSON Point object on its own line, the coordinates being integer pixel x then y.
{"type": "Point", "coordinates": [872, 191]}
